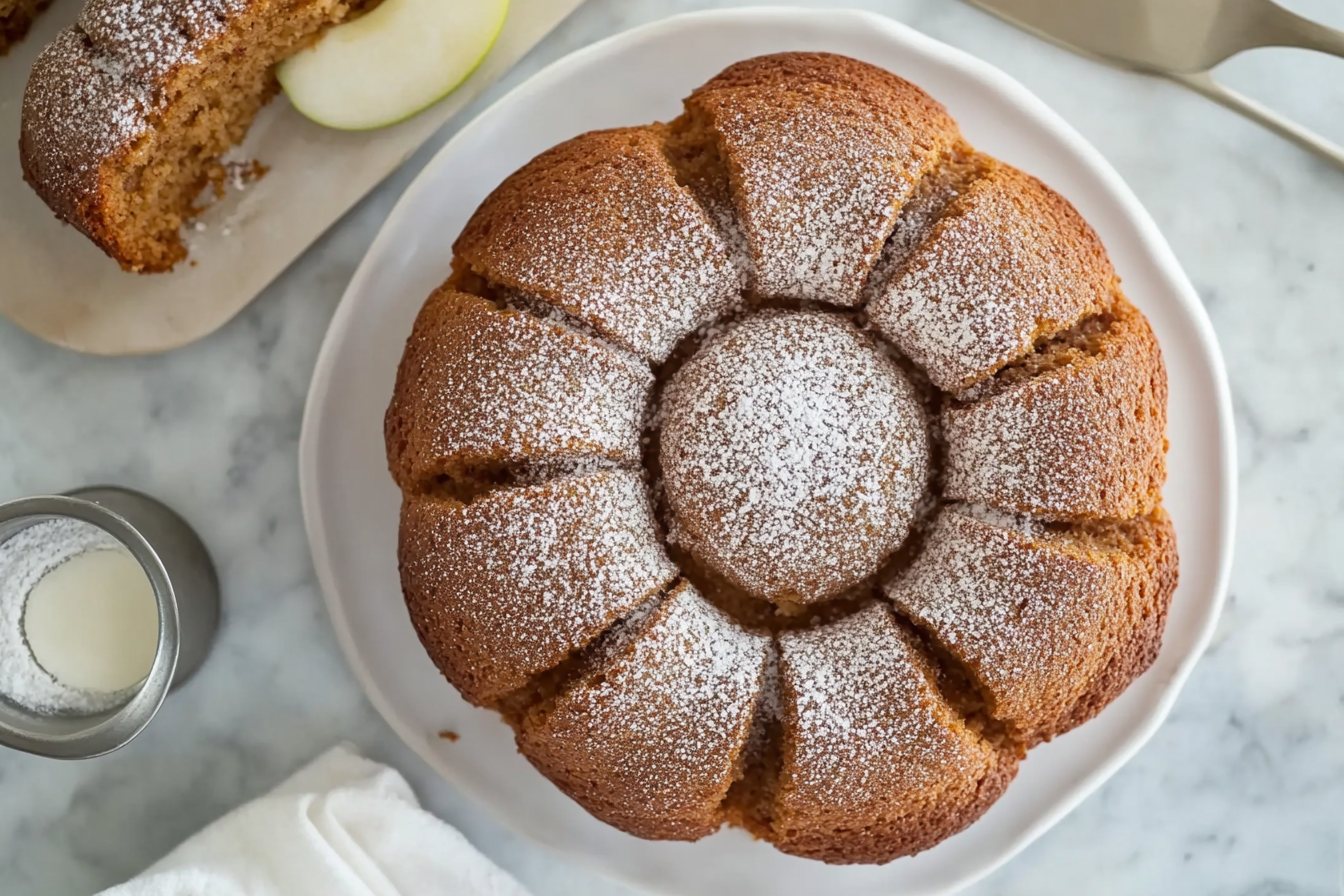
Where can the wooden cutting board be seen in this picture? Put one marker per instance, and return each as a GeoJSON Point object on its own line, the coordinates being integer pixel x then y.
{"type": "Point", "coordinates": [58, 286]}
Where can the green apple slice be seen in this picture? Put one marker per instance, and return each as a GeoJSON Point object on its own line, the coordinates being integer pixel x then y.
{"type": "Point", "coordinates": [391, 63]}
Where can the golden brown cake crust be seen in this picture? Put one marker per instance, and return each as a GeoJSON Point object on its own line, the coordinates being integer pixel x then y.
{"type": "Point", "coordinates": [651, 267]}
{"type": "Point", "coordinates": [511, 584]}
{"type": "Point", "coordinates": [876, 764]}
{"type": "Point", "coordinates": [650, 740]}
{"type": "Point", "coordinates": [876, 842]}
{"type": "Point", "coordinates": [1084, 438]}
{"type": "Point", "coordinates": [1156, 573]}
{"type": "Point", "coordinates": [483, 391]}
{"type": "Point", "coordinates": [822, 151]}
{"type": "Point", "coordinates": [1010, 262]}
{"type": "Point", "coordinates": [76, 118]}
{"type": "Point", "coordinates": [1039, 618]}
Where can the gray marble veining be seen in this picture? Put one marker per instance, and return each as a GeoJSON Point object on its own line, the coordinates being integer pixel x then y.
{"type": "Point", "coordinates": [1241, 793]}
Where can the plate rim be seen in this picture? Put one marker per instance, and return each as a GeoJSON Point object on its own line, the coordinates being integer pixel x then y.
{"type": "Point", "coordinates": [1153, 243]}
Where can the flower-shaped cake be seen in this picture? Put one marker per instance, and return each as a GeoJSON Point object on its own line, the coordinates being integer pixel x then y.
{"type": "Point", "coordinates": [791, 465]}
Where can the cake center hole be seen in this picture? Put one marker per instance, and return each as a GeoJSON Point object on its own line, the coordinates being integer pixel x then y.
{"type": "Point", "coordinates": [794, 454]}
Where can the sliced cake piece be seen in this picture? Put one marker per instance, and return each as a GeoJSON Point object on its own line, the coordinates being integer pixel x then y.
{"type": "Point", "coordinates": [821, 152]}
{"type": "Point", "coordinates": [876, 764]}
{"type": "Point", "coordinates": [652, 737]}
{"type": "Point", "coordinates": [16, 17]}
{"type": "Point", "coordinates": [128, 111]}
{"type": "Point", "coordinates": [511, 584]}
{"type": "Point", "coordinates": [1076, 432]}
{"type": "Point", "coordinates": [599, 228]}
{"type": "Point", "coordinates": [1010, 262]}
{"type": "Point", "coordinates": [483, 389]}
{"type": "Point", "coordinates": [1051, 625]}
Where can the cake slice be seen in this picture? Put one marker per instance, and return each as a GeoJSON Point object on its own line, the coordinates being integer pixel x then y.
{"type": "Point", "coordinates": [651, 738]}
{"type": "Point", "coordinates": [1051, 625]}
{"type": "Point", "coordinates": [599, 228]}
{"type": "Point", "coordinates": [1075, 431]}
{"type": "Point", "coordinates": [876, 763]}
{"type": "Point", "coordinates": [820, 152]}
{"type": "Point", "coordinates": [507, 586]}
{"type": "Point", "coordinates": [15, 18]}
{"type": "Point", "coordinates": [128, 111]}
{"type": "Point", "coordinates": [484, 391]}
{"type": "Point", "coordinates": [1009, 262]}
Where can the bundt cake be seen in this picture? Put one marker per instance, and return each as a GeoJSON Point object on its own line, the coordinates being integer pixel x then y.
{"type": "Point", "coordinates": [16, 17]}
{"type": "Point", "coordinates": [127, 112]}
{"type": "Point", "coordinates": [790, 465]}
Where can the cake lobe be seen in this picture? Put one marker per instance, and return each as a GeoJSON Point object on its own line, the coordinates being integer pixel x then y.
{"type": "Point", "coordinates": [794, 453]}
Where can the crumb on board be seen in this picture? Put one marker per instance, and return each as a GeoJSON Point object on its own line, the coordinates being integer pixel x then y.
{"type": "Point", "coordinates": [450, 736]}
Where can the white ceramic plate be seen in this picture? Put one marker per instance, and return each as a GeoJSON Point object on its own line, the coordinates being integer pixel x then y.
{"type": "Point", "coordinates": [351, 505]}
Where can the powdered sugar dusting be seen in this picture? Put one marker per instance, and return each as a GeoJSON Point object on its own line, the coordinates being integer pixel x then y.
{"type": "Point", "coordinates": [794, 453]}
{"type": "Point", "coordinates": [81, 106]}
{"type": "Point", "coordinates": [931, 201]}
{"type": "Point", "coordinates": [93, 91]}
{"type": "Point", "coordinates": [1003, 519]}
{"type": "Point", "coordinates": [149, 38]}
{"type": "Point", "coordinates": [823, 151]}
{"type": "Point", "coordinates": [626, 631]}
{"type": "Point", "coordinates": [1032, 618]}
{"type": "Point", "coordinates": [518, 579]}
{"type": "Point", "coordinates": [1041, 447]}
{"type": "Point", "coordinates": [631, 253]}
{"type": "Point", "coordinates": [815, 220]}
{"type": "Point", "coordinates": [482, 385]}
{"type": "Point", "coordinates": [721, 212]}
{"type": "Point", "coordinates": [665, 721]}
{"type": "Point", "coordinates": [1008, 265]}
{"type": "Point", "coordinates": [24, 559]}
{"type": "Point", "coordinates": [867, 726]}
{"type": "Point", "coordinates": [1083, 440]}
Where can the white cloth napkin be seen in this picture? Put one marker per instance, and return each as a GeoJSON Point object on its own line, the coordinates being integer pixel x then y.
{"type": "Point", "coordinates": [342, 826]}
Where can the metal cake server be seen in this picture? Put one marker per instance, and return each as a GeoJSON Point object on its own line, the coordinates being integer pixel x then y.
{"type": "Point", "coordinates": [1181, 40]}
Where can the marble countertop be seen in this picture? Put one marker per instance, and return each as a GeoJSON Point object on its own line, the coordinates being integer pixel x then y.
{"type": "Point", "coordinates": [1241, 791]}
